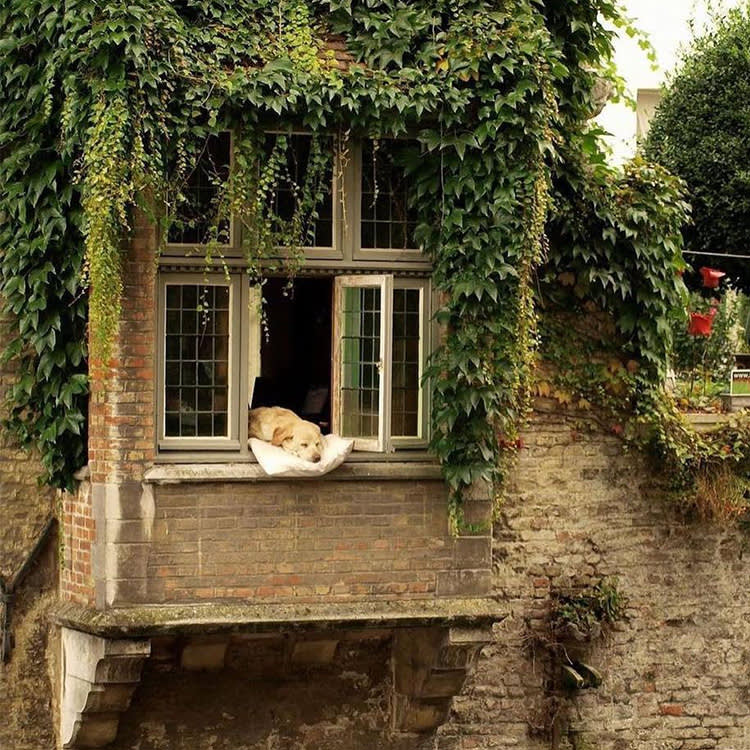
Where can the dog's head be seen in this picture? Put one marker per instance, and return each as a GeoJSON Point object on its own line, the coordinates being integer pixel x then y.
{"type": "Point", "coordinates": [300, 438]}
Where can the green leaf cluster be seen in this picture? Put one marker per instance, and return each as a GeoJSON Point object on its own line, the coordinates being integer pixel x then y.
{"type": "Point", "coordinates": [701, 132]}
{"type": "Point", "coordinates": [108, 105]}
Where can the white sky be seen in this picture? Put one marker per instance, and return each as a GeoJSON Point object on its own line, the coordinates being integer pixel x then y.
{"type": "Point", "coordinates": [668, 25]}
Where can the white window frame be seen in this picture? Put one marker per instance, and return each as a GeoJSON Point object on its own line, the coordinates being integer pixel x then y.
{"type": "Point", "coordinates": [384, 282]}
{"type": "Point", "coordinates": [385, 441]}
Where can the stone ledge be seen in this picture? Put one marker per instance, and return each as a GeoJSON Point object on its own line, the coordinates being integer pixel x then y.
{"type": "Point", "coordinates": [251, 472]}
{"type": "Point", "coordinates": [706, 421]}
{"type": "Point", "coordinates": [146, 621]}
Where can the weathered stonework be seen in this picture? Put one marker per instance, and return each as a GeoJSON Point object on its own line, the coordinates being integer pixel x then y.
{"type": "Point", "coordinates": [676, 671]}
{"type": "Point", "coordinates": [98, 678]}
{"type": "Point", "coordinates": [25, 508]}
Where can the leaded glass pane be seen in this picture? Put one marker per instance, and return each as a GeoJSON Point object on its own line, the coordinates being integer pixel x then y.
{"type": "Point", "coordinates": [306, 172]}
{"type": "Point", "coordinates": [387, 219]}
{"type": "Point", "coordinates": [406, 363]}
{"type": "Point", "coordinates": [197, 360]}
{"type": "Point", "coordinates": [197, 202]}
{"type": "Point", "coordinates": [360, 362]}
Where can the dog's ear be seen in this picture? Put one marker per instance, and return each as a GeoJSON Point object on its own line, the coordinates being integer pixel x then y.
{"type": "Point", "coordinates": [280, 434]}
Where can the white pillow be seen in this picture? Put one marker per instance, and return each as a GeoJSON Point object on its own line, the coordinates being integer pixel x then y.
{"type": "Point", "coordinates": [276, 462]}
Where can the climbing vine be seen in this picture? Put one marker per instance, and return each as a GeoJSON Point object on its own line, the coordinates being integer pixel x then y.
{"type": "Point", "coordinates": [112, 104]}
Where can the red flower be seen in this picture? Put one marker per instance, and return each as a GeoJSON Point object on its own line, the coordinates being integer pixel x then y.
{"type": "Point", "coordinates": [711, 277]}
{"type": "Point", "coordinates": [700, 324]}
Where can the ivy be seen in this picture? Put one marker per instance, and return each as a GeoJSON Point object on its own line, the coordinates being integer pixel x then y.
{"type": "Point", "coordinates": [112, 104]}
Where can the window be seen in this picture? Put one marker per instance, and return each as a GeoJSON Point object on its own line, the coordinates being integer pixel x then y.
{"type": "Point", "coordinates": [197, 202]}
{"type": "Point", "coordinates": [387, 222]}
{"type": "Point", "coordinates": [380, 339]}
{"type": "Point", "coordinates": [308, 162]}
{"type": "Point", "coordinates": [345, 347]}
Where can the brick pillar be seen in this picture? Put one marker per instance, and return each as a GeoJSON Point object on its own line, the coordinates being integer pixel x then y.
{"type": "Point", "coordinates": [121, 440]}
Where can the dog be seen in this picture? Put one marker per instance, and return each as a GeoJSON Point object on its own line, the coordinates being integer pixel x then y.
{"type": "Point", "coordinates": [285, 429]}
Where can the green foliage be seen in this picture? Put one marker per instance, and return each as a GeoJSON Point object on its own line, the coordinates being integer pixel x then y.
{"type": "Point", "coordinates": [113, 103]}
{"type": "Point", "coordinates": [617, 244]}
{"type": "Point", "coordinates": [701, 132]}
{"type": "Point", "coordinates": [586, 612]}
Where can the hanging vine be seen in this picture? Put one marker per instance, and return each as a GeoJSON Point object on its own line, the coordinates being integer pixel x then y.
{"type": "Point", "coordinates": [126, 96]}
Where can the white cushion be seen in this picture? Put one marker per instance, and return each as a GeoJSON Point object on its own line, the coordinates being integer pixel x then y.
{"type": "Point", "coordinates": [276, 462]}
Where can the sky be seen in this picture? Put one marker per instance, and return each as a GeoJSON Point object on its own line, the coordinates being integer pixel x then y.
{"type": "Point", "coordinates": [668, 25]}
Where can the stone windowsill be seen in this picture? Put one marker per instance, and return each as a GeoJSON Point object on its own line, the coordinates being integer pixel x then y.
{"type": "Point", "coordinates": [153, 620]}
{"type": "Point", "coordinates": [175, 473]}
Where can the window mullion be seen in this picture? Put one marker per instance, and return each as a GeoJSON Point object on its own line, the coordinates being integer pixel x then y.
{"type": "Point", "coordinates": [386, 363]}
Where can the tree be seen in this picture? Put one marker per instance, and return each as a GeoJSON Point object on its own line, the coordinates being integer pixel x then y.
{"type": "Point", "coordinates": [701, 132]}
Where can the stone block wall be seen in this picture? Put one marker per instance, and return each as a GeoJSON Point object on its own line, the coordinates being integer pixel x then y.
{"type": "Point", "coordinates": [25, 691]}
{"type": "Point", "coordinates": [24, 505]}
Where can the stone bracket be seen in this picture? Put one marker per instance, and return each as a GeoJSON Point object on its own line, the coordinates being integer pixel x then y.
{"type": "Point", "coordinates": [99, 676]}
{"type": "Point", "coordinates": [430, 666]}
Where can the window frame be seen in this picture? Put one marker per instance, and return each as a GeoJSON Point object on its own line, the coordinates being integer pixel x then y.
{"type": "Point", "coordinates": [384, 282]}
{"type": "Point", "coordinates": [182, 263]}
{"type": "Point", "coordinates": [234, 245]}
{"type": "Point", "coordinates": [238, 375]}
{"type": "Point", "coordinates": [346, 190]}
{"type": "Point", "coordinates": [358, 253]}
{"type": "Point", "coordinates": [386, 442]}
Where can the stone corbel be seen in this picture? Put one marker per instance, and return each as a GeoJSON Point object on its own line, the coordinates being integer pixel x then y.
{"type": "Point", "coordinates": [99, 676]}
{"type": "Point", "coordinates": [430, 666]}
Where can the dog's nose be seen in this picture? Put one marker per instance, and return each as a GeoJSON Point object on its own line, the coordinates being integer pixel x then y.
{"type": "Point", "coordinates": [316, 458]}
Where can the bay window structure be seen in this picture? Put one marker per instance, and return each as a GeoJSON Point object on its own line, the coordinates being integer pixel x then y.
{"type": "Point", "coordinates": [343, 344]}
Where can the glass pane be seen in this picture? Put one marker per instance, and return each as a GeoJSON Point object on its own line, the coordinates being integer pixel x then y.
{"type": "Point", "coordinates": [360, 362]}
{"type": "Point", "coordinates": [197, 361]}
{"type": "Point", "coordinates": [194, 216]}
{"type": "Point", "coordinates": [306, 175]}
{"type": "Point", "coordinates": [406, 365]}
{"type": "Point", "coordinates": [387, 221]}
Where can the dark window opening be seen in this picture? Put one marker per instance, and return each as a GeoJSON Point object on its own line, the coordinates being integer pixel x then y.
{"type": "Point", "coordinates": [194, 218]}
{"type": "Point", "coordinates": [387, 219]}
{"type": "Point", "coordinates": [296, 353]}
{"type": "Point", "coordinates": [306, 174]}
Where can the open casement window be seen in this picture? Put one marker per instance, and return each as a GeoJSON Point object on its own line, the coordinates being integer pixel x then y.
{"type": "Point", "coordinates": [380, 342]}
{"type": "Point", "coordinates": [204, 336]}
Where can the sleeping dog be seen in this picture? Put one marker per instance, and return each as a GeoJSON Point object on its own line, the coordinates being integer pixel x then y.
{"type": "Point", "coordinates": [284, 428]}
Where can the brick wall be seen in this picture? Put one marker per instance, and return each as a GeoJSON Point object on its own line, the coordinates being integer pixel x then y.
{"type": "Point", "coordinates": [121, 412]}
{"type": "Point", "coordinates": [302, 541]}
{"type": "Point", "coordinates": [676, 670]}
{"type": "Point", "coordinates": [78, 534]}
{"type": "Point", "coordinates": [121, 419]}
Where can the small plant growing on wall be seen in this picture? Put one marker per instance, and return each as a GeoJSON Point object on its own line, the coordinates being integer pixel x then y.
{"type": "Point", "coordinates": [576, 621]}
